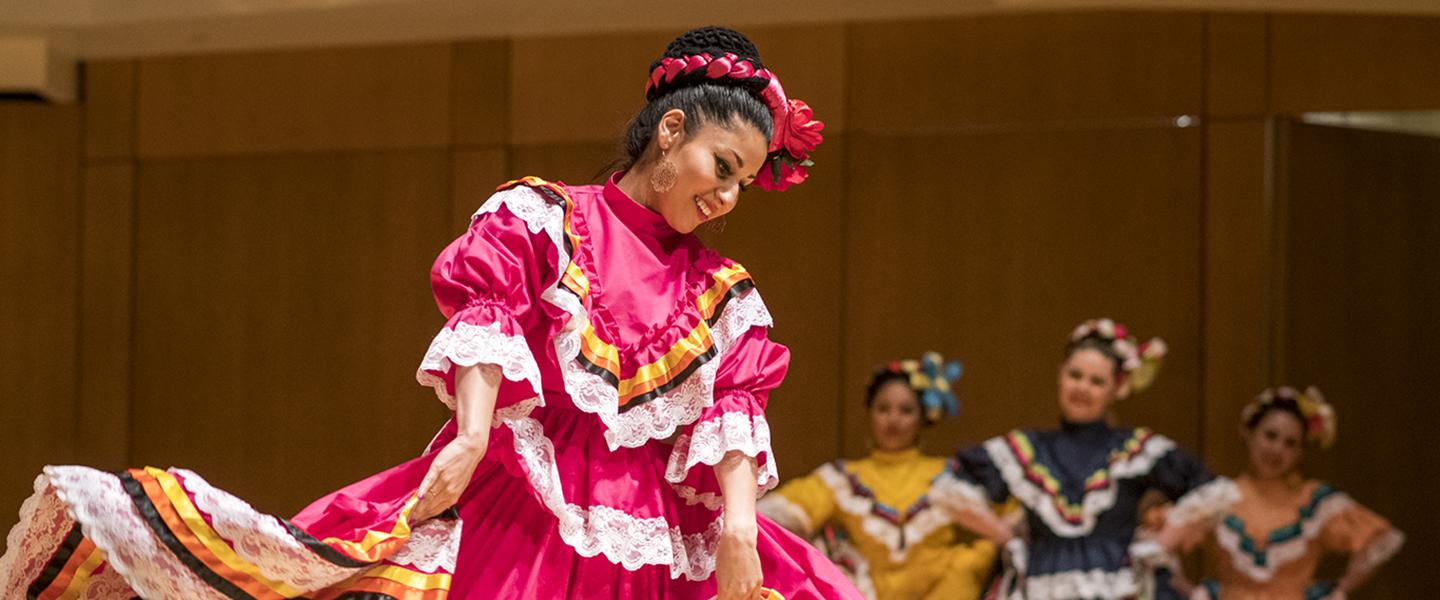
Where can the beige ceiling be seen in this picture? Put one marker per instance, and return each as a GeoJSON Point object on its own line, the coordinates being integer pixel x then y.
{"type": "Point", "coordinates": [125, 28]}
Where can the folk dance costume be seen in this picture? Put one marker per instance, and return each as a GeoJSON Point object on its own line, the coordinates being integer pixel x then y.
{"type": "Point", "coordinates": [875, 519]}
{"type": "Point", "coordinates": [612, 332]}
{"type": "Point", "coordinates": [1270, 544]}
{"type": "Point", "coordinates": [1081, 487]}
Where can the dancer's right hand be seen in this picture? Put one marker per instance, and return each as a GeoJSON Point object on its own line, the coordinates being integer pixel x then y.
{"type": "Point", "coordinates": [449, 475]}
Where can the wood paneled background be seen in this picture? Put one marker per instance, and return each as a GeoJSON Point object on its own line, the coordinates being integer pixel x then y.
{"type": "Point", "coordinates": [219, 262]}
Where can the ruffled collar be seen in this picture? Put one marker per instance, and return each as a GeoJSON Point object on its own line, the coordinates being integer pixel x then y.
{"type": "Point", "coordinates": [636, 216]}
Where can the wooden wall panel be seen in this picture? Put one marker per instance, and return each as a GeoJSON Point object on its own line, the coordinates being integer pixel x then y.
{"type": "Point", "coordinates": [1365, 220]}
{"type": "Point", "coordinates": [1236, 60]}
{"type": "Point", "coordinates": [332, 99]}
{"type": "Point", "coordinates": [480, 93]}
{"type": "Point", "coordinates": [991, 248]}
{"type": "Point", "coordinates": [575, 164]}
{"type": "Point", "coordinates": [474, 176]}
{"type": "Point", "coordinates": [109, 109]}
{"type": "Point", "coordinates": [39, 273]}
{"type": "Point", "coordinates": [811, 64]}
{"type": "Point", "coordinates": [1350, 62]}
{"type": "Point", "coordinates": [107, 315]}
{"type": "Point", "coordinates": [930, 77]}
{"type": "Point", "coordinates": [1238, 304]}
{"type": "Point", "coordinates": [282, 306]}
{"type": "Point", "coordinates": [579, 88]}
{"type": "Point", "coordinates": [550, 76]}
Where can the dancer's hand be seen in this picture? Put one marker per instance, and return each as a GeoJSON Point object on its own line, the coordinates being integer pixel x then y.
{"type": "Point", "coordinates": [449, 475]}
{"type": "Point", "coordinates": [737, 563]}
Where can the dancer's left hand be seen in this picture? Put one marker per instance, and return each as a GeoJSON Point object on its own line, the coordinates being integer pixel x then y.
{"type": "Point", "coordinates": [449, 475]}
{"type": "Point", "coordinates": [737, 563]}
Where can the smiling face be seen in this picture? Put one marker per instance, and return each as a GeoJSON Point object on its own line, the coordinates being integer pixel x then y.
{"type": "Point", "coordinates": [714, 163]}
{"type": "Point", "coordinates": [1276, 444]}
{"type": "Point", "coordinates": [1088, 386]}
{"type": "Point", "coordinates": [895, 416]}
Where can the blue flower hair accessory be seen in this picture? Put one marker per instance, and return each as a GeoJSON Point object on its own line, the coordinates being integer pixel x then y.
{"type": "Point", "coordinates": [933, 381]}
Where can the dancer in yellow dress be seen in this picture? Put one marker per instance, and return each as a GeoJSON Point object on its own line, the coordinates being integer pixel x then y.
{"type": "Point", "coordinates": [872, 514]}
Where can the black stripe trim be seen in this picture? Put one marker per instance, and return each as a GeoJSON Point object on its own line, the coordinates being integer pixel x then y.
{"type": "Point", "coordinates": [151, 515]}
{"type": "Point", "coordinates": [364, 596]}
{"type": "Point", "coordinates": [57, 562]}
{"type": "Point", "coordinates": [735, 290]}
{"type": "Point", "coordinates": [322, 549]}
{"type": "Point", "coordinates": [674, 382]}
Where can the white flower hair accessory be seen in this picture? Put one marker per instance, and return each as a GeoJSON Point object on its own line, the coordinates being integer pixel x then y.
{"type": "Point", "coordinates": [1140, 362]}
{"type": "Point", "coordinates": [1317, 414]}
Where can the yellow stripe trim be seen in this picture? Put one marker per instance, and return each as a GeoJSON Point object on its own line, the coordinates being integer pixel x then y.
{"type": "Point", "coordinates": [693, 345]}
{"type": "Point", "coordinates": [411, 579]}
{"type": "Point", "coordinates": [81, 577]}
{"type": "Point", "coordinates": [212, 540]}
{"type": "Point", "coordinates": [362, 550]}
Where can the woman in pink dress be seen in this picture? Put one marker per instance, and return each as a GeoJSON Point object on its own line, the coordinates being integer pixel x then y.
{"type": "Point", "coordinates": [608, 374]}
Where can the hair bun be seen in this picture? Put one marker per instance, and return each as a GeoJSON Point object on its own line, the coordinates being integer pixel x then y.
{"type": "Point", "coordinates": [715, 41]}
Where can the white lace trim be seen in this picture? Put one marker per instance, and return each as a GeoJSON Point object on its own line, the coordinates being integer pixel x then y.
{"type": "Point", "coordinates": [624, 539]}
{"type": "Point", "coordinates": [1068, 585]}
{"type": "Point", "coordinates": [785, 513]}
{"type": "Point", "coordinates": [468, 345]}
{"type": "Point", "coordinates": [262, 539]}
{"type": "Point", "coordinates": [107, 585]}
{"type": "Point", "coordinates": [42, 527]}
{"type": "Point", "coordinates": [1381, 550]}
{"type": "Point", "coordinates": [922, 524]}
{"type": "Point", "coordinates": [1094, 501]}
{"type": "Point", "coordinates": [709, 441]}
{"type": "Point", "coordinates": [107, 516]}
{"type": "Point", "coordinates": [1283, 553]}
{"type": "Point", "coordinates": [658, 418]}
{"type": "Point", "coordinates": [432, 546]}
{"type": "Point", "coordinates": [1204, 503]}
{"type": "Point", "coordinates": [141, 564]}
{"type": "Point", "coordinates": [954, 493]}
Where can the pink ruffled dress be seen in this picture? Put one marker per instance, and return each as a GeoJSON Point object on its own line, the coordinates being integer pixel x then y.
{"type": "Point", "coordinates": [634, 359]}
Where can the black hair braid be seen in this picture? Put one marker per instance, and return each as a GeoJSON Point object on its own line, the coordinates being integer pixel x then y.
{"type": "Point", "coordinates": [714, 41]}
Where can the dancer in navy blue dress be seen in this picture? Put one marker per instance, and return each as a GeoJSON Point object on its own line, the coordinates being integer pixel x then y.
{"type": "Point", "coordinates": [1081, 484]}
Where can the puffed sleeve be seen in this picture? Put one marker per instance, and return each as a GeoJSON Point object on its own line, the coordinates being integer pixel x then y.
{"type": "Point", "coordinates": [1362, 533]}
{"type": "Point", "coordinates": [971, 481]}
{"type": "Point", "coordinates": [487, 283]}
{"type": "Point", "coordinates": [734, 422]}
{"type": "Point", "coordinates": [1199, 496]}
{"type": "Point", "coordinates": [803, 505]}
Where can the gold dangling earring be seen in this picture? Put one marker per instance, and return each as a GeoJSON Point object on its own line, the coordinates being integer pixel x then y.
{"type": "Point", "coordinates": [663, 176]}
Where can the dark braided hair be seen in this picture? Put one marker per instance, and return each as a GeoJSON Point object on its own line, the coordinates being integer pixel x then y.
{"type": "Point", "coordinates": [1099, 344]}
{"type": "Point", "coordinates": [882, 378]}
{"type": "Point", "coordinates": [1285, 405]}
{"type": "Point", "coordinates": [704, 101]}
